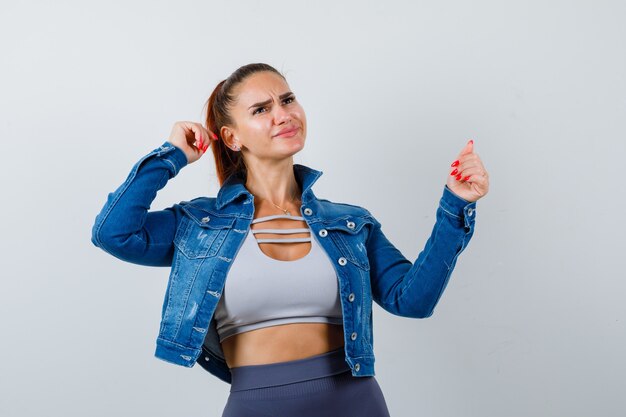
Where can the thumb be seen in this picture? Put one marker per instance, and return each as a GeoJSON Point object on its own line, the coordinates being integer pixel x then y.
{"type": "Point", "coordinates": [469, 148]}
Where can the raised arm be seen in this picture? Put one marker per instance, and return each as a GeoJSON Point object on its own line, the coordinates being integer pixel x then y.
{"type": "Point", "coordinates": [414, 289]}
{"type": "Point", "coordinates": [411, 289]}
{"type": "Point", "coordinates": [124, 228]}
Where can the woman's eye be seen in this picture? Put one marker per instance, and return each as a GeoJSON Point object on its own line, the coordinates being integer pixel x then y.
{"type": "Point", "coordinates": [288, 100]}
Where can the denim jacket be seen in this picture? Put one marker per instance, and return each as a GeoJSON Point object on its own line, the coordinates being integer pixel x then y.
{"type": "Point", "coordinates": [200, 238]}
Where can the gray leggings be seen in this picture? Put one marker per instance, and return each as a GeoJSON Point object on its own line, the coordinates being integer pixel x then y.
{"type": "Point", "coordinates": [321, 385]}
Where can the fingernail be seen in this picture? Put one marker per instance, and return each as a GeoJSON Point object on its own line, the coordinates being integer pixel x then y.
{"type": "Point", "coordinates": [458, 177]}
{"type": "Point", "coordinates": [454, 172]}
{"type": "Point", "coordinates": [471, 141]}
{"type": "Point", "coordinates": [455, 163]}
{"type": "Point", "coordinates": [466, 178]}
{"type": "Point", "coordinates": [213, 135]}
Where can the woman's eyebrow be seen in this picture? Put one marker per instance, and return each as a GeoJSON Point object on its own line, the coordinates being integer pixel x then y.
{"type": "Point", "coordinates": [263, 103]}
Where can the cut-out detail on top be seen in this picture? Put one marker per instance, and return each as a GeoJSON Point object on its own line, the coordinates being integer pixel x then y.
{"type": "Point", "coordinates": [281, 230]}
{"type": "Point", "coordinates": [265, 255]}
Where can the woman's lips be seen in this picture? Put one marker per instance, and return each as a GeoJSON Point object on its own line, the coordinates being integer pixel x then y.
{"type": "Point", "coordinates": [288, 133]}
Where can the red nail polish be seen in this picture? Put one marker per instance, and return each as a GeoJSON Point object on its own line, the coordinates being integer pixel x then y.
{"type": "Point", "coordinates": [458, 177]}
{"type": "Point", "coordinates": [454, 172]}
{"type": "Point", "coordinates": [466, 178]}
{"type": "Point", "coordinates": [471, 141]}
{"type": "Point", "coordinates": [455, 163]}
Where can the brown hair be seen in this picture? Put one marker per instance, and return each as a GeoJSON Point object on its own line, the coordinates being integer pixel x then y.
{"type": "Point", "coordinates": [219, 104]}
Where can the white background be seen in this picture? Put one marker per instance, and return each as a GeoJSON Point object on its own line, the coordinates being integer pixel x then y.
{"type": "Point", "coordinates": [533, 320]}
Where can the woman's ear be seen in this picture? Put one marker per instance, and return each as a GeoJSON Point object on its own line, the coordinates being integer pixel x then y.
{"type": "Point", "coordinates": [229, 138]}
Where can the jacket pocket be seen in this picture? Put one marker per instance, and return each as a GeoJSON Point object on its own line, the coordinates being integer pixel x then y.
{"type": "Point", "coordinates": [201, 234]}
{"type": "Point", "coordinates": [349, 234]}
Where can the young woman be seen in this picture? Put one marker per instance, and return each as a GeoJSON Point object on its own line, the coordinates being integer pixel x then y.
{"type": "Point", "coordinates": [271, 287]}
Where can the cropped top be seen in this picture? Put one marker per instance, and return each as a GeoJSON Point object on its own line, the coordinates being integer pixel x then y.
{"type": "Point", "coordinates": [261, 291]}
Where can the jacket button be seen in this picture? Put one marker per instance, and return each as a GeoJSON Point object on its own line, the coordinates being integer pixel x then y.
{"type": "Point", "coordinates": [353, 336]}
{"type": "Point", "coordinates": [206, 358]}
{"type": "Point", "coordinates": [351, 297]}
{"type": "Point", "coordinates": [323, 233]}
{"type": "Point", "coordinates": [342, 261]}
{"type": "Point", "coordinates": [205, 219]}
{"type": "Point", "coordinates": [357, 367]}
{"type": "Point", "coordinates": [351, 225]}
{"type": "Point", "coordinates": [308, 211]}
{"type": "Point", "coordinates": [470, 211]}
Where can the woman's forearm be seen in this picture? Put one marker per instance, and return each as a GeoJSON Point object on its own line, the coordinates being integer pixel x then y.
{"type": "Point", "coordinates": [124, 228]}
{"type": "Point", "coordinates": [413, 289]}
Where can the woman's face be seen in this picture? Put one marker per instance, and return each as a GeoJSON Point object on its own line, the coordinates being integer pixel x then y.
{"type": "Point", "coordinates": [265, 107]}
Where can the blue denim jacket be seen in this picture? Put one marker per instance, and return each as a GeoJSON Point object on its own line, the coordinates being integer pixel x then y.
{"type": "Point", "coordinates": [200, 238]}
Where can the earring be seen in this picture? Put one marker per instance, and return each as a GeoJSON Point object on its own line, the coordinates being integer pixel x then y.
{"type": "Point", "coordinates": [237, 148]}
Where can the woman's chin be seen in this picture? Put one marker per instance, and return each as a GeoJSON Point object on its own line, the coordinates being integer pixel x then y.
{"type": "Point", "coordinates": [293, 147]}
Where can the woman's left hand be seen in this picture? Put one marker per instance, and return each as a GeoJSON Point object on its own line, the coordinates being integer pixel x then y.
{"type": "Point", "coordinates": [469, 178]}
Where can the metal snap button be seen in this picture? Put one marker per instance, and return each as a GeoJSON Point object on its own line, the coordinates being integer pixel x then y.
{"type": "Point", "coordinates": [205, 219]}
{"type": "Point", "coordinates": [357, 367]}
{"type": "Point", "coordinates": [470, 211]}
{"type": "Point", "coordinates": [323, 233]}
{"type": "Point", "coordinates": [308, 211]}
{"type": "Point", "coordinates": [342, 261]}
{"type": "Point", "coordinates": [353, 336]}
{"type": "Point", "coordinates": [206, 358]}
{"type": "Point", "coordinates": [351, 225]}
{"type": "Point", "coordinates": [351, 297]}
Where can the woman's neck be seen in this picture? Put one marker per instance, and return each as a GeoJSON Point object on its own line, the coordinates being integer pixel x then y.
{"type": "Point", "coordinates": [278, 185]}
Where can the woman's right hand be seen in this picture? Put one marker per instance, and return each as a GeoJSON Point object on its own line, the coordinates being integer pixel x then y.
{"type": "Point", "coordinates": [192, 138]}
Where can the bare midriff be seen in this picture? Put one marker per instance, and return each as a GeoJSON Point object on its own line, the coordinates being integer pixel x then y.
{"type": "Point", "coordinates": [285, 342]}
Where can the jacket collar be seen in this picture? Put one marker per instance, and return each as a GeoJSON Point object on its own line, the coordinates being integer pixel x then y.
{"type": "Point", "coordinates": [234, 186]}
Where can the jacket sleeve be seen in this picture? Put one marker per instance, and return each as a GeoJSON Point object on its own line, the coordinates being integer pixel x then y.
{"type": "Point", "coordinates": [414, 289]}
{"type": "Point", "coordinates": [124, 228]}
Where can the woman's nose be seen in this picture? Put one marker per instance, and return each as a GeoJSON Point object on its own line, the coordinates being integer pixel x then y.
{"type": "Point", "coordinates": [282, 115]}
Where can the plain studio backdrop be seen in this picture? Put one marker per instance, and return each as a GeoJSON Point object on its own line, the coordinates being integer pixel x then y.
{"type": "Point", "coordinates": [532, 322]}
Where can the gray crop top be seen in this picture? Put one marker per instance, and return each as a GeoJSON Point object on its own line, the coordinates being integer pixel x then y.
{"type": "Point", "coordinates": [261, 291]}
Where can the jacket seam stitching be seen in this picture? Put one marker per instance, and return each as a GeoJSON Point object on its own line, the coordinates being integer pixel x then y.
{"type": "Point", "coordinates": [423, 261]}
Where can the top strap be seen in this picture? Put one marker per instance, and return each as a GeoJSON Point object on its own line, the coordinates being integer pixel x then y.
{"type": "Point", "coordinates": [276, 216]}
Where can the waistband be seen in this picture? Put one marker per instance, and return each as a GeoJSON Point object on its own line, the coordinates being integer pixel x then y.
{"type": "Point", "coordinates": [271, 374]}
